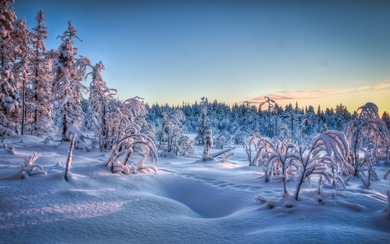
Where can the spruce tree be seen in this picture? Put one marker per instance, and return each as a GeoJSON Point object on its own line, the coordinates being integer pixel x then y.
{"type": "Point", "coordinates": [9, 97]}
{"type": "Point", "coordinates": [69, 73]}
{"type": "Point", "coordinates": [41, 76]}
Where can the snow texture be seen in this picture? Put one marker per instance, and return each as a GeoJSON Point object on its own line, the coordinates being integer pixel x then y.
{"type": "Point", "coordinates": [185, 202]}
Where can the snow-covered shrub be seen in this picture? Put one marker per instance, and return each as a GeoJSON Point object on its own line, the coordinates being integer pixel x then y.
{"type": "Point", "coordinates": [130, 139]}
{"type": "Point", "coordinates": [280, 163]}
{"type": "Point", "coordinates": [257, 149]}
{"type": "Point", "coordinates": [240, 136]}
{"type": "Point", "coordinates": [124, 148]}
{"type": "Point", "coordinates": [29, 169]}
{"type": "Point", "coordinates": [327, 157]}
{"type": "Point", "coordinates": [222, 140]}
{"type": "Point", "coordinates": [253, 149]}
{"type": "Point", "coordinates": [186, 146]}
{"type": "Point", "coordinates": [171, 131]}
{"type": "Point", "coordinates": [368, 136]}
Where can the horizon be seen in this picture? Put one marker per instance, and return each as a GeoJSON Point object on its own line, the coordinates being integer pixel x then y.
{"type": "Point", "coordinates": [174, 52]}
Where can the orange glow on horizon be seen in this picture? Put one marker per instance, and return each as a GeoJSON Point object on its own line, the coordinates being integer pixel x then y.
{"type": "Point", "coordinates": [352, 98]}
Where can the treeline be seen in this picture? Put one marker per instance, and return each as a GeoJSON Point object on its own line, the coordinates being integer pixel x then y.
{"type": "Point", "coordinates": [269, 120]}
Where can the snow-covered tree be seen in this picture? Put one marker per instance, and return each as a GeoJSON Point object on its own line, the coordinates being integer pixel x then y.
{"type": "Point", "coordinates": [67, 87]}
{"type": "Point", "coordinates": [368, 137]}
{"type": "Point", "coordinates": [100, 109]}
{"type": "Point", "coordinates": [240, 136]}
{"type": "Point", "coordinates": [208, 143]}
{"type": "Point", "coordinates": [185, 146]}
{"type": "Point", "coordinates": [118, 117]}
{"type": "Point", "coordinates": [131, 139]}
{"type": "Point", "coordinates": [10, 103]}
{"type": "Point", "coordinates": [204, 123]}
{"type": "Point", "coordinates": [41, 86]}
{"type": "Point", "coordinates": [21, 43]}
{"type": "Point", "coordinates": [172, 131]}
{"type": "Point", "coordinates": [22, 52]}
{"type": "Point", "coordinates": [271, 112]}
{"type": "Point", "coordinates": [223, 140]}
{"type": "Point", "coordinates": [7, 18]}
{"type": "Point", "coordinates": [327, 157]}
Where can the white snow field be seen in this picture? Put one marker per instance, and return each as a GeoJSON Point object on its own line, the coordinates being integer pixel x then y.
{"type": "Point", "coordinates": [185, 202]}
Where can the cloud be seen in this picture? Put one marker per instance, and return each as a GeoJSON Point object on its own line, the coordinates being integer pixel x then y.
{"type": "Point", "coordinates": [284, 97]}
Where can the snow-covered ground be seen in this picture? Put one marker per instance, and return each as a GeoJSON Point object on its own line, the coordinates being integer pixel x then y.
{"type": "Point", "coordinates": [186, 202]}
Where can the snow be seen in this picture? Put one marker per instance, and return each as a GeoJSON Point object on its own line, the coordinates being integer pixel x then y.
{"type": "Point", "coordinates": [187, 201]}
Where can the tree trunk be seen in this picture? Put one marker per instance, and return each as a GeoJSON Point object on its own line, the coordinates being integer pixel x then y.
{"type": "Point", "coordinates": [23, 103]}
{"type": "Point", "coordinates": [64, 123]}
{"type": "Point", "coordinates": [70, 158]}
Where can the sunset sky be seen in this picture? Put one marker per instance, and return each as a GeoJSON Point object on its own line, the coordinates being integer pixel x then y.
{"type": "Point", "coordinates": [314, 52]}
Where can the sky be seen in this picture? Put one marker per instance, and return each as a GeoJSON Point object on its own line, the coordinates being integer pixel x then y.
{"type": "Point", "coordinates": [310, 51]}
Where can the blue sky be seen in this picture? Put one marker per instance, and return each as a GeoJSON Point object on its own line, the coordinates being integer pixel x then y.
{"type": "Point", "coordinates": [314, 52]}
